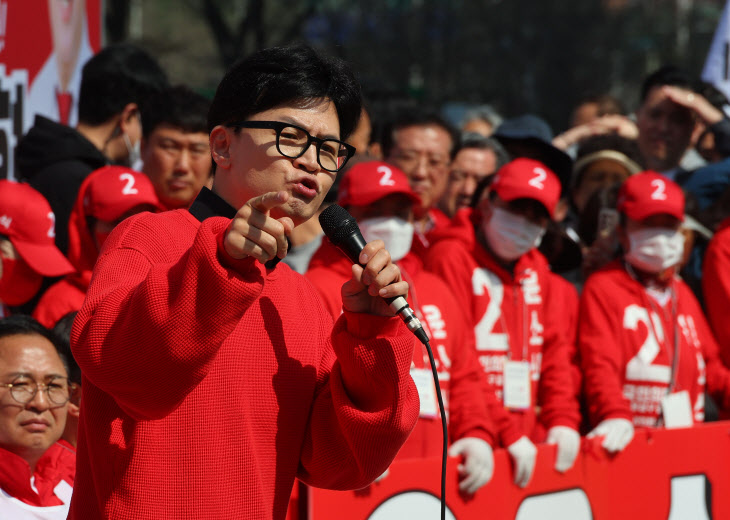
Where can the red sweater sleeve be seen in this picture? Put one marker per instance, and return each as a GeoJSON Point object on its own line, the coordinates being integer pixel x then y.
{"type": "Point", "coordinates": [600, 352]}
{"type": "Point", "coordinates": [559, 400]}
{"type": "Point", "coordinates": [149, 329]}
{"type": "Point", "coordinates": [369, 384]}
{"type": "Point", "coordinates": [716, 289]}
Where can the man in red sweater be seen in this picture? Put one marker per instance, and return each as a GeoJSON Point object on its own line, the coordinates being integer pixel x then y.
{"type": "Point", "coordinates": [213, 375]}
{"type": "Point", "coordinates": [646, 350]}
{"type": "Point", "coordinates": [379, 197]}
{"type": "Point", "coordinates": [520, 312]}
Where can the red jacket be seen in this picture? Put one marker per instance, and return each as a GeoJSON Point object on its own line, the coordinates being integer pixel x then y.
{"type": "Point", "coordinates": [211, 383]}
{"type": "Point", "coordinates": [62, 297]}
{"type": "Point", "coordinates": [437, 222]}
{"type": "Point", "coordinates": [46, 493]}
{"type": "Point", "coordinates": [520, 316]}
{"type": "Point", "coordinates": [716, 287]}
{"type": "Point", "coordinates": [451, 342]}
{"type": "Point", "coordinates": [627, 359]}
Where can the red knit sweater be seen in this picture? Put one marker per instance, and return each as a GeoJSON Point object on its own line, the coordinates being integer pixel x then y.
{"type": "Point", "coordinates": [211, 383]}
{"type": "Point", "coordinates": [452, 343]}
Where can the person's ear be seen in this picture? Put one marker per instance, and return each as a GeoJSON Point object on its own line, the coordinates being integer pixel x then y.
{"type": "Point", "coordinates": [220, 146]}
{"type": "Point", "coordinates": [561, 209]}
{"type": "Point", "coordinates": [73, 410]}
{"type": "Point", "coordinates": [128, 117]}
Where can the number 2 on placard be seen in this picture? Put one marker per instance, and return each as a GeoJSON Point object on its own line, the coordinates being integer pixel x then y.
{"type": "Point", "coordinates": [128, 188]}
{"type": "Point", "coordinates": [486, 282]}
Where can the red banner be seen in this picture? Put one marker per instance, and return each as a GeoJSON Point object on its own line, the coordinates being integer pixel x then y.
{"type": "Point", "coordinates": [662, 475]}
{"type": "Point", "coordinates": [43, 46]}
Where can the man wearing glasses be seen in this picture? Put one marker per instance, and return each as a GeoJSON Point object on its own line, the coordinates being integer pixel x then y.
{"type": "Point", "coordinates": [36, 471]}
{"type": "Point", "coordinates": [422, 144]}
{"type": "Point", "coordinates": [212, 374]}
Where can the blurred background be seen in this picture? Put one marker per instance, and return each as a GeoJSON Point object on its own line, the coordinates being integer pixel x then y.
{"type": "Point", "coordinates": [517, 55]}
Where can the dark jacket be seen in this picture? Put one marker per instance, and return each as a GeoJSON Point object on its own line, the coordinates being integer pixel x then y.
{"type": "Point", "coordinates": [55, 159]}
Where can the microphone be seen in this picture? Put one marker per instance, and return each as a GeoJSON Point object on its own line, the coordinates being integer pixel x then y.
{"type": "Point", "coordinates": [342, 230]}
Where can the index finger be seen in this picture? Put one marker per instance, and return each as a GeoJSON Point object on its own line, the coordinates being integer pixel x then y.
{"type": "Point", "coordinates": [266, 202]}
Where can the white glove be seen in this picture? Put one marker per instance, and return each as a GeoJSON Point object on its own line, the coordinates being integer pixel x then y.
{"type": "Point", "coordinates": [478, 464]}
{"type": "Point", "coordinates": [568, 441]}
{"type": "Point", "coordinates": [523, 454]}
{"type": "Point", "coordinates": [617, 434]}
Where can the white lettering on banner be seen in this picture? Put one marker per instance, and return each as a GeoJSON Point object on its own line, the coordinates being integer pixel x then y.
{"type": "Point", "coordinates": [640, 367]}
{"type": "Point", "coordinates": [553, 506]}
{"type": "Point", "coordinates": [413, 504]}
{"type": "Point", "coordinates": [13, 89]}
{"type": "Point", "coordinates": [689, 498]}
{"type": "Point", "coordinates": [485, 282]}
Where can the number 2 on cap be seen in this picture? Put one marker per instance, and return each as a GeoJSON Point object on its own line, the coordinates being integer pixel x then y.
{"type": "Point", "coordinates": [660, 188]}
{"type": "Point", "coordinates": [386, 180]}
{"type": "Point", "coordinates": [539, 178]}
{"type": "Point", "coordinates": [128, 188]}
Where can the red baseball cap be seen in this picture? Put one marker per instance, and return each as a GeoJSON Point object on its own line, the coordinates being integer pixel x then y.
{"type": "Point", "coordinates": [111, 191]}
{"type": "Point", "coordinates": [27, 220]}
{"type": "Point", "coordinates": [528, 179]}
{"type": "Point", "coordinates": [650, 193]}
{"type": "Point", "coordinates": [369, 181]}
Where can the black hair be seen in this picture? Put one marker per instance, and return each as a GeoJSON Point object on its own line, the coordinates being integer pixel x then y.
{"type": "Point", "coordinates": [294, 74]}
{"type": "Point", "coordinates": [22, 324]}
{"type": "Point", "coordinates": [177, 106]}
{"type": "Point", "coordinates": [667, 75]}
{"type": "Point", "coordinates": [62, 330]}
{"type": "Point", "coordinates": [416, 117]}
{"type": "Point", "coordinates": [119, 74]}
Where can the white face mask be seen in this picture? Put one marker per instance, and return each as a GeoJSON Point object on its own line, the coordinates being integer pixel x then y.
{"type": "Point", "coordinates": [655, 249]}
{"type": "Point", "coordinates": [396, 232]}
{"type": "Point", "coordinates": [134, 152]}
{"type": "Point", "coordinates": [510, 236]}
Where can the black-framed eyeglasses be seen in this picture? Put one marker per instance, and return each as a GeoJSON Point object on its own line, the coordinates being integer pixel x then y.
{"type": "Point", "coordinates": [58, 389]}
{"type": "Point", "coordinates": [293, 141]}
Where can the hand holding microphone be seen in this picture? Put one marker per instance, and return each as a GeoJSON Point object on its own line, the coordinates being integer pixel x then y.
{"type": "Point", "coordinates": [376, 286]}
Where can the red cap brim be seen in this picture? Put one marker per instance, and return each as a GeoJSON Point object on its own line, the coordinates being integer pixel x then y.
{"type": "Point", "coordinates": [46, 260]}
